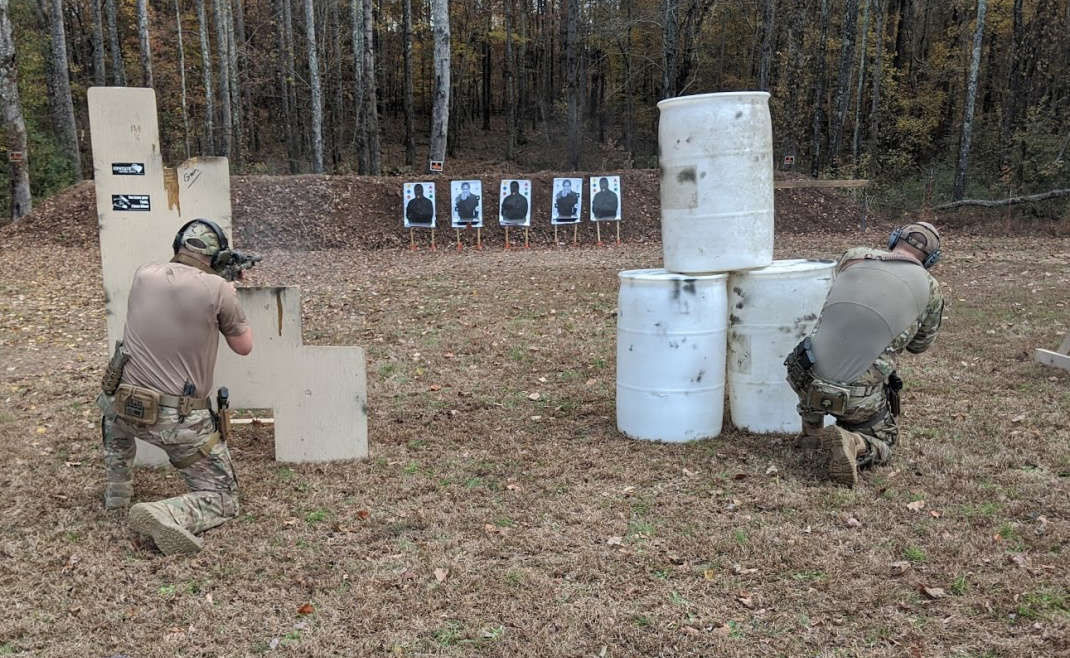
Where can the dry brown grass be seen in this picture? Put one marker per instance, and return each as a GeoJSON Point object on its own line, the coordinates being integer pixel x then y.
{"type": "Point", "coordinates": [518, 499]}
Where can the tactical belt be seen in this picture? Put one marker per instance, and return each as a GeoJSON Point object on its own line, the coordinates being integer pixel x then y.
{"type": "Point", "coordinates": [183, 402]}
{"type": "Point", "coordinates": [862, 391]}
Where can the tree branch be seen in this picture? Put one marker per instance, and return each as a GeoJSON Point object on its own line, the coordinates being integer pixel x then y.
{"type": "Point", "coordinates": [1043, 196]}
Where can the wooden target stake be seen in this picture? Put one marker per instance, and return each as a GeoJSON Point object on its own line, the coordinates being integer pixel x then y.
{"type": "Point", "coordinates": [458, 232]}
{"type": "Point", "coordinates": [506, 237]}
{"type": "Point", "coordinates": [412, 240]}
{"type": "Point", "coordinates": [618, 232]}
{"type": "Point", "coordinates": [598, 232]}
{"type": "Point", "coordinates": [479, 237]}
{"type": "Point", "coordinates": [526, 229]}
{"type": "Point", "coordinates": [575, 231]}
{"type": "Point", "coordinates": [555, 235]}
{"type": "Point", "coordinates": [432, 238]}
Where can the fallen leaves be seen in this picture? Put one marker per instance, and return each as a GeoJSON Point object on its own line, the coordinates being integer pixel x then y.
{"type": "Point", "coordinates": [899, 568]}
{"type": "Point", "coordinates": [916, 506]}
{"type": "Point", "coordinates": [615, 540]}
{"type": "Point", "coordinates": [363, 514]}
{"type": "Point", "coordinates": [932, 593]}
{"type": "Point", "coordinates": [441, 574]}
{"type": "Point", "coordinates": [852, 522]}
{"type": "Point", "coordinates": [535, 397]}
{"type": "Point", "coordinates": [306, 609]}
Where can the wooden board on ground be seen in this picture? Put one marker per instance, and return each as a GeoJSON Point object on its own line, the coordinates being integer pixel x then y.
{"type": "Point", "coordinates": [803, 183]}
{"type": "Point", "coordinates": [1057, 359]}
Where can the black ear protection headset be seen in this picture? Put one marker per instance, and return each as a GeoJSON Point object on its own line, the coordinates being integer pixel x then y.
{"type": "Point", "coordinates": [932, 259]}
{"type": "Point", "coordinates": [223, 243]}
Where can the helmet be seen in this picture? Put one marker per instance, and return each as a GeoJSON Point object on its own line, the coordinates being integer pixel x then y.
{"type": "Point", "coordinates": [923, 236]}
{"type": "Point", "coordinates": [201, 236]}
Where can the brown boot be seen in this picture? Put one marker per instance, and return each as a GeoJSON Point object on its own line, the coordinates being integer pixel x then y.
{"type": "Point", "coordinates": [842, 449]}
{"type": "Point", "coordinates": [810, 437]}
{"type": "Point", "coordinates": [154, 520]}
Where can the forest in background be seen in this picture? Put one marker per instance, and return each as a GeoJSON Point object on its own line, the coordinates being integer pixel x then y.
{"type": "Point", "coordinates": [896, 90]}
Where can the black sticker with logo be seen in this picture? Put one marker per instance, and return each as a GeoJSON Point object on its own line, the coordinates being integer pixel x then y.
{"type": "Point", "coordinates": [130, 202]}
{"type": "Point", "coordinates": [128, 168]}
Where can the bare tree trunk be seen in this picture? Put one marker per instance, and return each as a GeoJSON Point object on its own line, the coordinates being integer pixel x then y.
{"type": "Point", "coordinates": [234, 87]}
{"type": "Point", "coordinates": [861, 86]}
{"type": "Point", "coordinates": [522, 104]}
{"type": "Point", "coordinates": [510, 85]}
{"type": "Point", "coordinates": [317, 92]}
{"type": "Point", "coordinates": [843, 82]}
{"type": "Point", "coordinates": [768, 41]}
{"type": "Point", "coordinates": [223, 56]}
{"type": "Point", "coordinates": [292, 142]}
{"type": "Point", "coordinates": [243, 83]}
{"type": "Point", "coordinates": [118, 68]}
{"type": "Point", "coordinates": [668, 46]}
{"type": "Point", "coordinates": [795, 37]}
{"type": "Point", "coordinates": [182, 77]}
{"type": "Point", "coordinates": [816, 154]}
{"type": "Point", "coordinates": [878, 74]}
{"type": "Point", "coordinates": [209, 145]}
{"type": "Point", "coordinates": [572, 84]}
{"type": "Point", "coordinates": [1015, 84]}
{"type": "Point", "coordinates": [143, 42]}
{"type": "Point", "coordinates": [63, 105]}
{"type": "Point", "coordinates": [371, 93]}
{"type": "Point", "coordinates": [13, 125]}
{"type": "Point", "coordinates": [967, 112]}
{"type": "Point", "coordinates": [410, 138]}
{"type": "Point", "coordinates": [486, 75]}
{"type": "Point", "coordinates": [100, 76]}
{"type": "Point", "coordinates": [356, 16]}
{"type": "Point", "coordinates": [440, 111]}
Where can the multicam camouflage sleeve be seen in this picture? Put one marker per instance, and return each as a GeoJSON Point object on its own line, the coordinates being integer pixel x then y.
{"type": "Point", "coordinates": [930, 322]}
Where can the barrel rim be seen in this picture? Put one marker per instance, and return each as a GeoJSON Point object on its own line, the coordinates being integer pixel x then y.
{"type": "Point", "coordinates": [681, 100]}
{"type": "Point", "coordinates": [661, 274]}
{"type": "Point", "coordinates": [787, 266]}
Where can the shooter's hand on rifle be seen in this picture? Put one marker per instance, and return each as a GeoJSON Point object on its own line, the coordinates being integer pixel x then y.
{"type": "Point", "coordinates": [230, 264]}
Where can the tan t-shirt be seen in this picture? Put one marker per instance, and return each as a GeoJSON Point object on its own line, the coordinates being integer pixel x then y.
{"type": "Point", "coordinates": [173, 320]}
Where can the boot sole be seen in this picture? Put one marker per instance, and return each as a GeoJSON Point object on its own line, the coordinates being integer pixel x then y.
{"type": "Point", "coordinates": [842, 467]}
{"type": "Point", "coordinates": [171, 539]}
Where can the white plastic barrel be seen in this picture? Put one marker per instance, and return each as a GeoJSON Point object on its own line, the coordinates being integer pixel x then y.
{"type": "Point", "coordinates": [716, 158]}
{"type": "Point", "coordinates": [770, 310]}
{"type": "Point", "coordinates": [671, 334]}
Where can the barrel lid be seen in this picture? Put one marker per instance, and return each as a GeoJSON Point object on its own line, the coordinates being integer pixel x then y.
{"type": "Point", "coordinates": [790, 266]}
{"type": "Point", "coordinates": [705, 98]}
{"type": "Point", "coordinates": [665, 275]}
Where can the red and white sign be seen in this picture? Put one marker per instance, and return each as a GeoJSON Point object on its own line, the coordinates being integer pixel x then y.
{"type": "Point", "coordinates": [16, 156]}
{"type": "Point", "coordinates": [789, 160]}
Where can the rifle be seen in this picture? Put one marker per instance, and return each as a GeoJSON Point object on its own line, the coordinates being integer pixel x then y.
{"type": "Point", "coordinates": [230, 263]}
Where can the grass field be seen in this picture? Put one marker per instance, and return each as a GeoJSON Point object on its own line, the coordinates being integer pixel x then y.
{"type": "Point", "coordinates": [487, 522]}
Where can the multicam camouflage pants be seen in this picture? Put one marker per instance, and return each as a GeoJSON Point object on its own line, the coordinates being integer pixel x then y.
{"type": "Point", "coordinates": [213, 496]}
{"type": "Point", "coordinates": [868, 416]}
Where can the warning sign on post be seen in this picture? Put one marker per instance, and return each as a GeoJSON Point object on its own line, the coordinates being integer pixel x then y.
{"type": "Point", "coordinates": [131, 202]}
{"type": "Point", "coordinates": [16, 156]}
{"type": "Point", "coordinates": [128, 168]}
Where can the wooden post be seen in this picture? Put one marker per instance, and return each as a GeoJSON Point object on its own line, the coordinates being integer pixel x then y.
{"type": "Point", "coordinates": [555, 235]}
{"type": "Point", "coordinates": [432, 238]}
{"type": "Point", "coordinates": [506, 237]}
{"type": "Point", "coordinates": [458, 232]}
{"type": "Point", "coordinates": [412, 241]}
{"type": "Point", "coordinates": [618, 232]}
{"type": "Point", "coordinates": [575, 232]}
{"type": "Point", "coordinates": [479, 238]}
{"type": "Point", "coordinates": [526, 230]}
{"type": "Point", "coordinates": [598, 232]}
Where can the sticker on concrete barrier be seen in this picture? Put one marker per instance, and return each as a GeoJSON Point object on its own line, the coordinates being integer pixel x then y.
{"type": "Point", "coordinates": [128, 169]}
{"type": "Point", "coordinates": [139, 202]}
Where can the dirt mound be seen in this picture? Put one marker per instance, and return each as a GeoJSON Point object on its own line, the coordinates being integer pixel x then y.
{"type": "Point", "coordinates": [363, 212]}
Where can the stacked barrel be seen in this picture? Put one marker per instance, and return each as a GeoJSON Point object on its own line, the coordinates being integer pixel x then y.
{"type": "Point", "coordinates": [722, 315]}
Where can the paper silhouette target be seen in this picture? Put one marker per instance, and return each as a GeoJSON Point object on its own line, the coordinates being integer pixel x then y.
{"type": "Point", "coordinates": [605, 198]}
{"type": "Point", "coordinates": [567, 201]}
{"type": "Point", "coordinates": [419, 205]}
{"type": "Point", "coordinates": [467, 204]}
{"type": "Point", "coordinates": [515, 209]}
